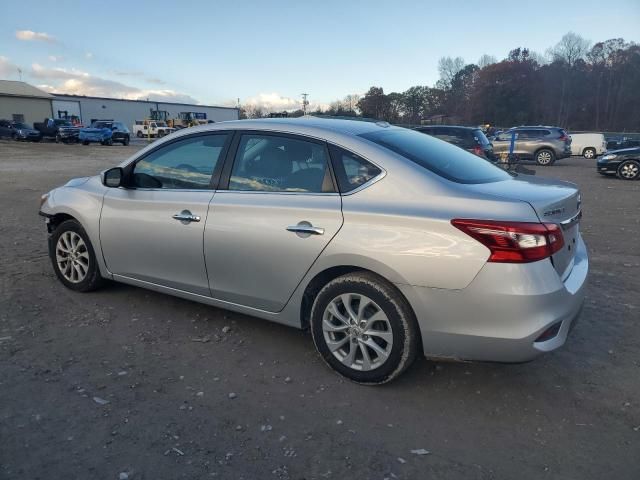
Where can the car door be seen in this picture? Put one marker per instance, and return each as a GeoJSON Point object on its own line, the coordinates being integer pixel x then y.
{"type": "Point", "coordinates": [278, 212]}
{"type": "Point", "coordinates": [5, 129]}
{"type": "Point", "coordinates": [153, 230]}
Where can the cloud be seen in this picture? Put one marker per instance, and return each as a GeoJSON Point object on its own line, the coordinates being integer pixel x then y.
{"type": "Point", "coordinates": [139, 74]}
{"type": "Point", "coordinates": [274, 102]}
{"type": "Point", "coordinates": [29, 35]}
{"type": "Point", "coordinates": [77, 82]}
{"type": "Point", "coordinates": [88, 55]}
{"type": "Point", "coordinates": [55, 58]}
{"type": "Point", "coordinates": [8, 69]}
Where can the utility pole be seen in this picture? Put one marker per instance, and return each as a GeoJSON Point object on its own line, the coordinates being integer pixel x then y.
{"type": "Point", "coordinates": [20, 73]}
{"type": "Point", "coordinates": [305, 102]}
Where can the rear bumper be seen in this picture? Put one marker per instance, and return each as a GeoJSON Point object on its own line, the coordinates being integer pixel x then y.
{"type": "Point", "coordinates": [503, 313]}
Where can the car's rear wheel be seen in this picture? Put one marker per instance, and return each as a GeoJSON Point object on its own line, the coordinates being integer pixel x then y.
{"type": "Point", "coordinates": [364, 328]}
{"type": "Point", "coordinates": [629, 170]}
{"type": "Point", "coordinates": [545, 157]}
{"type": "Point", "coordinates": [139, 134]}
{"type": "Point", "coordinates": [85, 143]}
{"type": "Point", "coordinates": [160, 133]}
{"type": "Point", "coordinates": [73, 257]}
{"type": "Point", "coordinates": [589, 153]}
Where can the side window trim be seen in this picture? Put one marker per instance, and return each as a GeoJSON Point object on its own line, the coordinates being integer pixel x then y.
{"type": "Point", "coordinates": [337, 167]}
{"type": "Point", "coordinates": [215, 176]}
{"type": "Point", "coordinates": [225, 176]}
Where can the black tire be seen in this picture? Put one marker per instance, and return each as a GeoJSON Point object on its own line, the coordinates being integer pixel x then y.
{"type": "Point", "coordinates": [629, 170]}
{"type": "Point", "coordinates": [126, 141]}
{"type": "Point", "coordinates": [14, 137]}
{"type": "Point", "coordinates": [58, 138]}
{"type": "Point", "coordinates": [139, 134]}
{"type": "Point", "coordinates": [160, 133]}
{"type": "Point", "coordinates": [545, 157]}
{"type": "Point", "coordinates": [589, 153]}
{"type": "Point", "coordinates": [92, 279]}
{"type": "Point", "coordinates": [85, 143]}
{"type": "Point", "coordinates": [401, 319]}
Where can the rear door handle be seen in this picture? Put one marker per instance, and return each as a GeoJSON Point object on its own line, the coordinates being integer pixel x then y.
{"type": "Point", "coordinates": [185, 216]}
{"type": "Point", "coordinates": [306, 228]}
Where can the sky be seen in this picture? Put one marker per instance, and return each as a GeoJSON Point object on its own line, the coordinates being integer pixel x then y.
{"type": "Point", "coordinates": [267, 53]}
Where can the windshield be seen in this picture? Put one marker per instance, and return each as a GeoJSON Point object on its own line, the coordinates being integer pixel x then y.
{"type": "Point", "coordinates": [161, 124]}
{"type": "Point", "coordinates": [62, 123]}
{"type": "Point", "coordinates": [443, 159]}
{"type": "Point", "coordinates": [20, 125]}
{"type": "Point", "coordinates": [101, 125]}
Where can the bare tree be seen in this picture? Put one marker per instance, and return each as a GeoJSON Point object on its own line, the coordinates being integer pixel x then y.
{"type": "Point", "coordinates": [571, 48]}
{"type": "Point", "coordinates": [448, 67]}
{"type": "Point", "coordinates": [486, 60]}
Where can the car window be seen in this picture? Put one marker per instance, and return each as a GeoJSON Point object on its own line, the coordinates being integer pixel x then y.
{"type": "Point", "coordinates": [440, 158]}
{"type": "Point", "coordinates": [185, 164]}
{"type": "Point", "coordinates": [352, 170]}
{"type": "Point", "coordinates": [480, 137]}
{"type": "Point", "coordinates": [273, 163]}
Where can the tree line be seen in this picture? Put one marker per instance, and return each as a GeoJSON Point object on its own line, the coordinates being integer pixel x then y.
{"type": "Point", "coordinates": [574, 85]}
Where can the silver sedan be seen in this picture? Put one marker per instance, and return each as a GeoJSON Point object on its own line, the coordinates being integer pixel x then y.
{"type": "Point", "coordinates": [384, 242]}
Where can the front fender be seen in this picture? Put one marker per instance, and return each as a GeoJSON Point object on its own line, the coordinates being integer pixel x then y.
{"type": "Point", "coordinates": [83, 203]}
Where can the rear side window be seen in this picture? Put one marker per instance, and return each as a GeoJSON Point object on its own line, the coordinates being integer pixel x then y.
{"type": "Point", "coordinates": [440, 158]}
{"type": "Point", "coordinates": [273, 163]}
{"type": "Point", "coordinates": [351, 170]}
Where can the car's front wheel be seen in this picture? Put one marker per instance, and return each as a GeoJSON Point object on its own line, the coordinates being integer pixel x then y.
{"type": "Point", "coordinates": [629, 170]}
{"type": "Point", "coordinates": [364, 328]}
{"type": "Point", "coordinates": [545, 157]}
{"type": "Point", "coordinates": [73, 257]}
{"type": "Point", "coordinates": [589, 153]}
{"type": "Point", "coordinates": [125, 140]}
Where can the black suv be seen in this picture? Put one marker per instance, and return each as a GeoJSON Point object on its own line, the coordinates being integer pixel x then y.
{"type": "Point", "coordinates": [545, 145]}
{"type": "Point", "coordinates": [471, 139]}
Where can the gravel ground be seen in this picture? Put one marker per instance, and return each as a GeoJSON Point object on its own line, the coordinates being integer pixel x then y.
{"type": "Point", "coordinates": [127, 383]}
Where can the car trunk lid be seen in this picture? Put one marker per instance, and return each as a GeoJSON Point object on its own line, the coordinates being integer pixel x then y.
{"type": "Point", "coordinates": [554, 201]}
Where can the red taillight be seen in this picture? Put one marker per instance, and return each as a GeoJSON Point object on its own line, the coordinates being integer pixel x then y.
{"type": "Point", "coordinates": [514, 242]}
{"type": "Point", "coordinates": [477, 150]}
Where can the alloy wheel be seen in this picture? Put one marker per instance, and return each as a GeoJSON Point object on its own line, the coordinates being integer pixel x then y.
{"type": "Point", "coordinates": [544, 158]}
{"type": "Point", "coordinates": [629, 170]}
{"type": "Point", "coordinates": [72, 257]}
{"type": "Point", "coordinates": [589, 153]}
{"type": "Point", "coordinates": [357, 332]}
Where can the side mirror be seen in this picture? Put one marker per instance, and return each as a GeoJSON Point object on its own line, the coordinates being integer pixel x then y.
{"type": "Point", "coordinates": [113, 177]}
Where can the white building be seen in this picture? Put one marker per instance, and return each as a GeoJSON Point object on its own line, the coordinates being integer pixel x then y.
{"type": "Point", "coordinates": [128, 111]}
{"type": "Point", "coordinates": [21, 102]}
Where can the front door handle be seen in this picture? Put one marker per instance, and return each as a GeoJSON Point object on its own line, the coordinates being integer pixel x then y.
{"type": "Point", "coordinates": [305, 228]}
{"type": "Point", "coordinates": [185, 216]}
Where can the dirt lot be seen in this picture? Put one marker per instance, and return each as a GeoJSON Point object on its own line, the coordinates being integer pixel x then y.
{"type": "Point", "coordinates": [573, 414]}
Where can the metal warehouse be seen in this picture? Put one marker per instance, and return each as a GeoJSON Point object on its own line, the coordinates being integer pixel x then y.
{"type": "Point", "coordinates": [22, 102]}
{"type": "Point", "coordinates": [128, 111]}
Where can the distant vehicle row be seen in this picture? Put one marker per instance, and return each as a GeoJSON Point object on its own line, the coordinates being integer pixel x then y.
{"type": "Point", "coordinates": [545, 145]}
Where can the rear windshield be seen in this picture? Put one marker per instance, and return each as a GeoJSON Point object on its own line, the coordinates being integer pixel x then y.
{"type": "Point", "coordinates": [441, 158]}
{"type": "Point", "coordinates": [482, 138]}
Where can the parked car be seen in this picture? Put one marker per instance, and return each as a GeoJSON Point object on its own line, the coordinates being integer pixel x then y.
{"type": "Point", "coordinates": [383, 241]}
{"type": "Point", "coordinates": [624, 163]}
{"type": "Point", "coordinates": [105, 132]}
{"type": "Point", "coordinates": [544, 145]}
{"type": "Point", "coordinates": [19, 131]}
{"type": "Point", "coordinates": [58, 129]}
{"type": "Point", "coordinates": [589, 145]}
{"type": "Point", "coordinates": [470, 139]}
{"type": "Point", "coordinates": [152, 128]}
